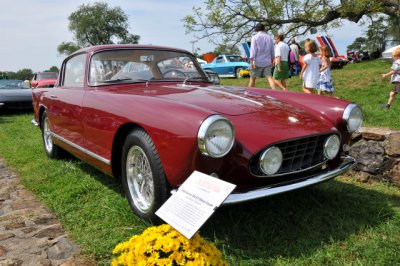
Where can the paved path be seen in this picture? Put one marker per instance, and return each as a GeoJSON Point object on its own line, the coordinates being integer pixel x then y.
{"type": "Point", "coordinates": [29, 233]}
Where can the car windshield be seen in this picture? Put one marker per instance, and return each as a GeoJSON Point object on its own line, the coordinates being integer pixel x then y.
{"type": "Point", "coordinates": [235, 58]}
{"type": "Point", "coordinates": [142, 65]}
{"type": "Point", "coordinates": [11, 84]}
{"type": "Point", "coordinates": [47, 76]}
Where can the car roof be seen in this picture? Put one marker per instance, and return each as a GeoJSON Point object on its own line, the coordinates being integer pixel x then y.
{"type": "Point", "coordinates": [41, 72]}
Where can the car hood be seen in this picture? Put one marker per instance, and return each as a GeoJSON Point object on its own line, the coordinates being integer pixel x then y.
{"type": "Point", "coordinates": [230, 101]}
{"type": "Point", "coordinates": [268, 118]}
{"type": "Point", "coordinates": [16, 93]}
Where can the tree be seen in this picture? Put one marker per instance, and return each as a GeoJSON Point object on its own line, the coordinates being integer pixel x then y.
{"type": "Point", "coordinates": [381, 31]}
{"type": "Point", "coordinates": [67, 48]}
{"type": "Point", "coordinates": [95, 24]}
{"type": "Point", "coordinates": [21, 74]}
{"type": "Point", "coordinates": [233, 21]}
{"type": "Point", "coordinates": [358, 44]}
{"type": "Point", "coordinates": [52, 69]}
{"type": "Point", "coordinates": [226, 49]}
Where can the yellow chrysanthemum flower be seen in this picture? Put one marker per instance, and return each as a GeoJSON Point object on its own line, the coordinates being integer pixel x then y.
{"type": "Point", "coordinates": [163, 245]}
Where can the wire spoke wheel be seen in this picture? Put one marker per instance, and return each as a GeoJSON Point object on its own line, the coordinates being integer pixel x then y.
{"type": "Point", "coordinates": [140, 178]}
{"type": "Point", "coordinates": [47, 140]}
{"type": "Point", "coordinates": [143, 175]}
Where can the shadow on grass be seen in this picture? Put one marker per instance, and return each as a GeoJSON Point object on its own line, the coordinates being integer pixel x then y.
{"type": "Point", "coordinates": [289, 225]}
{"type": "Point", "coordinates": [7, 114]}
{"type": "Point", "coordinates": [297, 223]}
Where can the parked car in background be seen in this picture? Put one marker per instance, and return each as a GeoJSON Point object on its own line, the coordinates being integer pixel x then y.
{"type": "Point", "coordinates": [387, 54]}
{"type": "Point", "coordinates": [44, 79]}
{"type": "Point", "coordinates": [153, 121]}
{"type": "Point", "coordinates": [227, 65]}
{"type": "Point", "coordinates": [14, 95]}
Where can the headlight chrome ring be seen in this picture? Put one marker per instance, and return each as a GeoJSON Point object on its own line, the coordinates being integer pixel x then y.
{"type": "Point", "coordinates": [331, 147]}
{"type": "Point", "coordinates": [216, 136]}
{"type": "Point", "coordinates": [353, 117]}
{"type": "Point", "coordinates": [271, 160]}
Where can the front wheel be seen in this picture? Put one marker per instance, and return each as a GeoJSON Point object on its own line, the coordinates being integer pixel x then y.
{"type": "Point", "coordinates": [143, 176]}
{"type": "Point", "coordinates": [237, 72]}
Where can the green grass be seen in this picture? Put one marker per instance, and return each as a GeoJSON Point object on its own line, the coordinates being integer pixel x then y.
{"type": "Point", "coordinates": [341, 222]}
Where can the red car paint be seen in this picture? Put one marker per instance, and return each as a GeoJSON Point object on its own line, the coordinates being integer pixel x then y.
{"type": "Point", "coordinates": [91, 121]}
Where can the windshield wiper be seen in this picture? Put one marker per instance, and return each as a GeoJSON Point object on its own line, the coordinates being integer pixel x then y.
{"type": "Point", "coordinates": [125, 79]}
{"type": "Point", "coordinates": [116, 80]}
{"type": "Point", "coordinates": [193, 78]}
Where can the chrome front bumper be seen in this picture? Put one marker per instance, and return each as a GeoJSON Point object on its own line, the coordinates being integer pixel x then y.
{"type": "Point", "coordinates": [348, 163]}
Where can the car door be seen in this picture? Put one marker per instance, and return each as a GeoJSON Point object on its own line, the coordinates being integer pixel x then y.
{"type": "Point", "coordinates": [64, 102]}
{"type": "Point", "coordinates": [219, 65]}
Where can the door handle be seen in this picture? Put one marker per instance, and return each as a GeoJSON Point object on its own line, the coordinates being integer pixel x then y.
{"type": "Point", "coordinates": [53, 96]}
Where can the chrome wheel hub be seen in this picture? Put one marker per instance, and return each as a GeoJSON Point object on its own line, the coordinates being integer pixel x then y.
{"type": "Point", "coordinates": [139, 179]}
{"type": "Point", "coordinates": [48, 142]}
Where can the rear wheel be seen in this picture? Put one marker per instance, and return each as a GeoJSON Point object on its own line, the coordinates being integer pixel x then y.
{"type": "Point", "coordinates": [143, 176]}
{"type": "Point", "coordinates": [52, 150]}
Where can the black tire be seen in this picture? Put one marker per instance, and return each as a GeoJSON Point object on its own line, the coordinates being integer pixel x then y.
{"type": "Point", "coordinates": [143, 176]}
{"type": "Point", "coordinates": [237, 72]}
{"type": "Point", "coordinates": [52, 150]}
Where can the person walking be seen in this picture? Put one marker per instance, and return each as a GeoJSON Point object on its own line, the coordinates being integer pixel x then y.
{"type": "Point", "coordinates": [295, 48]}
{"type": "Point", "coordinates": [394, 73]}
{"type": "Point", "coordinates": [311, 65]}
{"type": "Point", "coordinates": [281, 71]}
{"type": "Point", "coordinates": [261, 56]}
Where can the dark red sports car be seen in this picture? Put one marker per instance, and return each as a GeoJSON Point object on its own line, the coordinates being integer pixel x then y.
{"type": "Point", "coordinates": [151, 116]}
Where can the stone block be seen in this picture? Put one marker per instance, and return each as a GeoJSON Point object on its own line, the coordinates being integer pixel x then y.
{"type": "Point", "coordinates": [393, 144]}
{"type": "Point", "coordinates": [370, 156]}
{"type": "Point", "coordinates": [394, 174]}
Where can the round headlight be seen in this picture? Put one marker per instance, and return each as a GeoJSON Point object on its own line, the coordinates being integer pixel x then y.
{"type": "Point", "coordinates": [331, 147]}
{"type": "Point", "coordinates": [271, 160]}
{"type": "Point", "coordinates": [216, 136]}
{"type": "Point", "coordinates": [353, 117]}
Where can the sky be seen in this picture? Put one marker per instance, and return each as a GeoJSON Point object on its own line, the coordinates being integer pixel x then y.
{"type": "Point", "coordinates": [32, 29]}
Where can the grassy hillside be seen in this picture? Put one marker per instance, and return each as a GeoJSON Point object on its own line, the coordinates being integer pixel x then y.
{"type": "Point", "coordinates": [360, 83]}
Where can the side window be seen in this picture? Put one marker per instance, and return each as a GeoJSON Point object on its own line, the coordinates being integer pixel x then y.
{"type": "Point", "coordinates": [220, 60]}
{"type": "Point", "coordinates": [75, 71]}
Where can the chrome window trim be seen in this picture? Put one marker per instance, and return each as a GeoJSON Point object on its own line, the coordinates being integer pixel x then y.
{"type": "Point", "coordinates": [79, 148]}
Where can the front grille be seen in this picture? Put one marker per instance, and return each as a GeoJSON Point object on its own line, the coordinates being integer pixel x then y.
{"type": "Point", "coordinates": [48, 86]}
{"type": "Point", "coordinates": [298, 155]}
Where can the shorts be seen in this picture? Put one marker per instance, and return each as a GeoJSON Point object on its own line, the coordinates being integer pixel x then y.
{"type": "Point", "coordinates": [284, 73]}
{"type": "Point", "coordinates": [396, 88]}
{"type": "Point", "coordinates": [258, 72]}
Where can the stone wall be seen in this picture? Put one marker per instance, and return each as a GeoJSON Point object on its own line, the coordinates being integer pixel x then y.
{"type": "Point", "coordinates": [377, 151]}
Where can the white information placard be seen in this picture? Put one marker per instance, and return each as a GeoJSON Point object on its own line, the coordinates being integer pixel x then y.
{"type": "Point", "coordinates": [194, 202]}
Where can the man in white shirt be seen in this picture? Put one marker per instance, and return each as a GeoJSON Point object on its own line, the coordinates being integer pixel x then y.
{"type": "Point", "coordinates": [281, 71]}
{"type": "Point", "coordinates": [261, 56]}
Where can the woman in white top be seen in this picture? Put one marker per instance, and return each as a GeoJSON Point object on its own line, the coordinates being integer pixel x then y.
{"type": "Point", "coordinates": [311, 65]}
